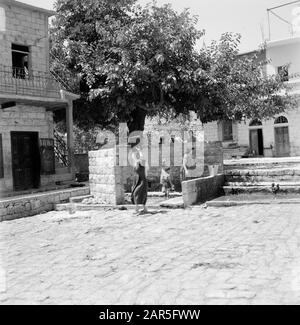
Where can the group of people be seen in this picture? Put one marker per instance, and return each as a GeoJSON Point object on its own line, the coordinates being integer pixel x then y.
{"type": "Point", "coordinates": [140, 187]}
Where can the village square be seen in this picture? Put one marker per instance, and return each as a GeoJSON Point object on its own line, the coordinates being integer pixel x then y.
{"type": "Point", "coordinates": [139, 166]}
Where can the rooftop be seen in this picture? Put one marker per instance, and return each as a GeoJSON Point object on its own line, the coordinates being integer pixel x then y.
{"type": "Point", "coordinates": [284, 41]}
{"type": "Point", "coordinates": [49, 13]}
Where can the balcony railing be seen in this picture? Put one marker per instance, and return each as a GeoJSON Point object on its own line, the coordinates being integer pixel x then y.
{"type": "Point", "coordinates": [21, 81]}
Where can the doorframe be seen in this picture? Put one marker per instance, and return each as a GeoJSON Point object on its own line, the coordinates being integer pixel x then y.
{"type": "Point", "coordinates": [37, 171]}
{"type": "Point", "coordinates": [255, 128]}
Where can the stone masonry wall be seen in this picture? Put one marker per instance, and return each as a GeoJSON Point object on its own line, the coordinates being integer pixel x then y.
{"type": "Point", "coordinates": [29, 28]}
{"type": "Point", "coordinates": [106, 183]}
{"type": "Point", "coordinates": [29, 205]}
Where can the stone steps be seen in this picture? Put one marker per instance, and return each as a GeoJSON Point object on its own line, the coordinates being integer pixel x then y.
{"type": "Point", "coordinates": [255, 176]}
{"type": "Point", "coordinates": [281, 183]}
{"type": "Point", "coordinates": [261, 179]}
{"type": "Point", "coordinates": [260, 188]}
{"type": "Point", "coordinates": [262, 167]}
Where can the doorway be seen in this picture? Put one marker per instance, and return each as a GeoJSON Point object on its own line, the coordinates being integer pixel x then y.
{"type": "Point", "coordinates": [282, 138]}
{"type": "Point", "coordinates": [282, 141]}
{"type": "Point", "coordinates": [25, 160]}
{"type": "Point", "coordinates": [256, 142]}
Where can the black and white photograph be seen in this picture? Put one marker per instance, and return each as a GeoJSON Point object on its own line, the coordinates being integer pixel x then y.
{"type": "Point", "coordinates": [149, 155]}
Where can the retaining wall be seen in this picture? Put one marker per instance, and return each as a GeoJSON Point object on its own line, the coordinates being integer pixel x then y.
{"type": "Point", "coordinates": [202, 189]}
{"type": "Point", "coordinates": [29, 205]}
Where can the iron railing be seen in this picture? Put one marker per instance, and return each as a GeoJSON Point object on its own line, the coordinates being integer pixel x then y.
{"type": "Point", "coordinates": [60, 149]}
{"type": "Point", "coordinates": [21, 81]}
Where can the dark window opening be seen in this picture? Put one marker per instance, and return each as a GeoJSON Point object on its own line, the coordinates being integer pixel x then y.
{"type": "Point", "coordinates": [227, 131]}
{"type": "Point", "coordinates": [20, 61]}
{"type": "Point", "coordinates": [8, 104]}
{"type": "Point", "coordinates": [1, 158]}
{"type": "Point", "coordinates": [283, 72]}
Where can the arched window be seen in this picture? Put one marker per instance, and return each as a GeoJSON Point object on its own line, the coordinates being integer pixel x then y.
{"type": "Point", "coordinates": [255, 122]}
{"type": "Point", "coordinates": [281, 120]}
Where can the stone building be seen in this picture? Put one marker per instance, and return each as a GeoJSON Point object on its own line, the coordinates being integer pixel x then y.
{"type": "Point", "coordinates": [31, 154]}
{"type": "Point", "coordinates": [276, 137]}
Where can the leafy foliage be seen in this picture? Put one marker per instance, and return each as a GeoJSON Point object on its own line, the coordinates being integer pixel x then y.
{"type": "Point", "coordinates": [136, 61]}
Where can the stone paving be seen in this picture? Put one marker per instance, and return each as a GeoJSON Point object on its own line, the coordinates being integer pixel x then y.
{"type": "Point", "coordinates": [237, 255]}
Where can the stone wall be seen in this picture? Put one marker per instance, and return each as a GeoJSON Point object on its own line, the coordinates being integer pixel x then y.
{"type": "Point", "coordinates": [29, 205]}
{"type": "Point", "coordinates": [202, 189]}
{"type": "Point", "coordinates": [106, 183]}
{"type": "Point", "coordinates": [25, 27]}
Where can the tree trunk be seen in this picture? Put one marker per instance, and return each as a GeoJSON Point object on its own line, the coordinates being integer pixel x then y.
{"type": "Point", "coordinates": [138, 120]}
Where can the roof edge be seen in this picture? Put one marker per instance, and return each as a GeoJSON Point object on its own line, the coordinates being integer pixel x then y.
{"type": "Point", "coordinates": [47, 12]}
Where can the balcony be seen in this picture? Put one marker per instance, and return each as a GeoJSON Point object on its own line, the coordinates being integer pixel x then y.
{"type": "Point", "coordinates": [23, 85]}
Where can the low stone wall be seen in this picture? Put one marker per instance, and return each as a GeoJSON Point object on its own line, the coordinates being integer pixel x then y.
{"type": "Point", "coordinates": [29, 205]}
{"type": "Point", "coordinates": [105, 177]}
{"type": "Point", "coordinates": [202, 189]}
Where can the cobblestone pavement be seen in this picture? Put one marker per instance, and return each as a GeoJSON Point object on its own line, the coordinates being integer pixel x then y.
{"type": "Point", "coordinates": [239, 255]}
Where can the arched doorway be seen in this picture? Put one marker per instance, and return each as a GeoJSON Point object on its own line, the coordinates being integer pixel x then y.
{"type": "Point", "coordinates": [256, 138]}
{"type": "Point", "coordinates": [282, 139]}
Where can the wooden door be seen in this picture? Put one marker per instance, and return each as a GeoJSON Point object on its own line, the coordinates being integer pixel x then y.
{"type": "Point", "coordinates": [257, 142]}
{"type": "Point", "coordinates": [25, 160]}
{"type": "Point", "coordinates": [282, 141]}
{"type": "Point", "coordinates": [254, 142]}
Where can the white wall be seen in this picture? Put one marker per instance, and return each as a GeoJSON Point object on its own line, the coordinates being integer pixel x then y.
{"type": "Point", "coordinates": [284, 52]}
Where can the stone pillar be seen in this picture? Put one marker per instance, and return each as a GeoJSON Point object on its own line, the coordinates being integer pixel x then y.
{"type": "Point", "coordinates": [69, 98]}
{"type": "Point", "coordinates": [106, 183]}
{"type": "Point", "coordinates": [70, 136]}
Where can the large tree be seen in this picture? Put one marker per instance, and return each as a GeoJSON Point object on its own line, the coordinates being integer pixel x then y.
{"type": "Point", "coordinates": [136, 61]}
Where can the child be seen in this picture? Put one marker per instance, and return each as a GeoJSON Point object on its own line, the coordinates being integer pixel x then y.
{"type": "Point", "coordinates": [165, 181]}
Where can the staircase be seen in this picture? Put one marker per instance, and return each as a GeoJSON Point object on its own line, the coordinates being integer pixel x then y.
{"type": "Point", "coordinates": [60, 151]}
{"type": "Point", "coordinates": [261, 176]}
{"type": "Point", "coordinates": [68, 81]}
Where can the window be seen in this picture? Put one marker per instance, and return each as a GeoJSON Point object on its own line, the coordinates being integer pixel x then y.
{"type": "Point", "coordinates": [20, 61]}
{"type": "Point", "coordinates": [1, 158]}
{"type": "Point", "coordinates": [255, 122]}
{"type": "Point", "coordinates": [8, 104]}
{"type": "Point", "coordinates": [227, 131]}
{"type": "Point", "coordinates": [281, 120]}
{"type": "Point", "coordinates": [283, 72]}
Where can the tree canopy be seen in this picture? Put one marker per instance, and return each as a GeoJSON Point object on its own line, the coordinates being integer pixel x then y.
{"type": "Point", "coordinates": [136, 61]}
